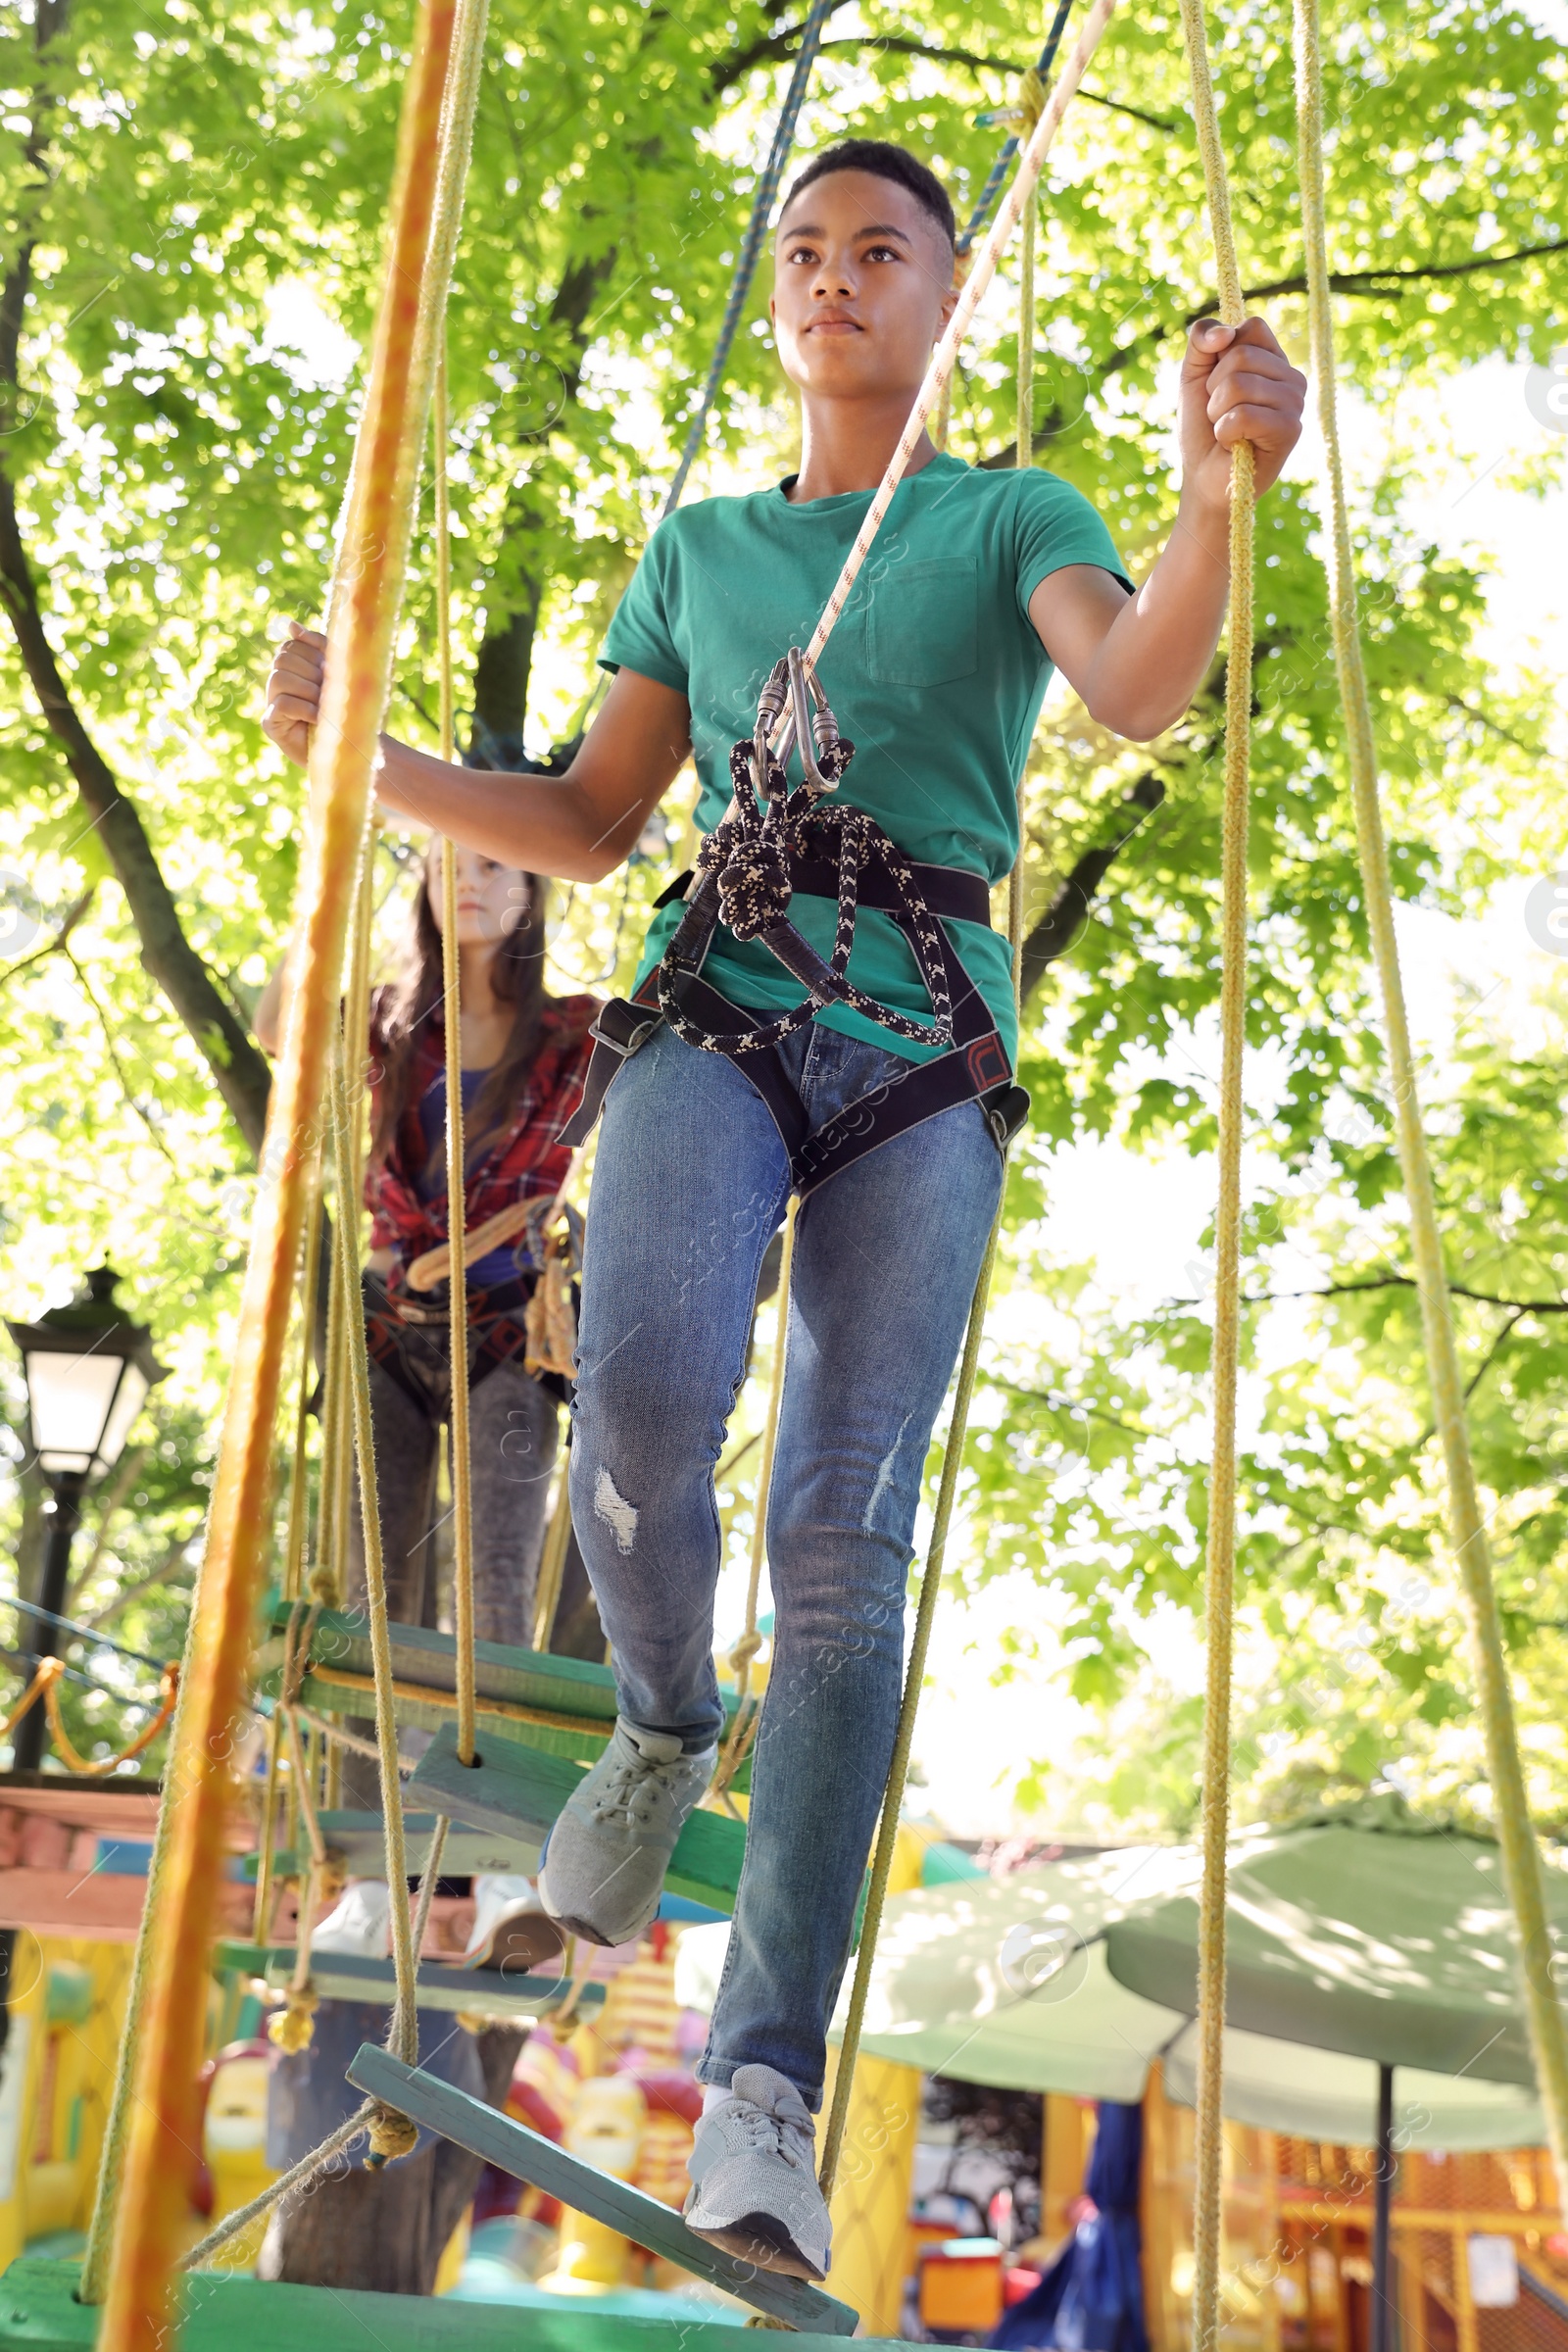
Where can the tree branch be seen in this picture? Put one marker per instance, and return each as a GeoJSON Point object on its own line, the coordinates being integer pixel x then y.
{"type": "Point", "coordinates": [126, 1473]}
{"type": "Point", "coordinates": [1061, 926]}
{"type": "Point", "coordinates": [51, 947]}
{"type": "Point", "coordinates": [163, 1574]}
{"type": "Point", "coordinates": [1407, 1282]}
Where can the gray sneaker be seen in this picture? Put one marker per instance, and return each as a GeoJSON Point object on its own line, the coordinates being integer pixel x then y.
{"type": "Point", "coordinates": [753, 2188]}
{"type": "Point", "coordinates": [603, 1867]}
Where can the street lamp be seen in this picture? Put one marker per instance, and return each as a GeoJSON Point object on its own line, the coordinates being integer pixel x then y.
{"type": "Point", "coordinates": [88, 1371]}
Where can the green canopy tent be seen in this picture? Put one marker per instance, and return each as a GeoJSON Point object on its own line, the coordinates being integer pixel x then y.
{"type": "Point", "coordinates": [1371, 1994]}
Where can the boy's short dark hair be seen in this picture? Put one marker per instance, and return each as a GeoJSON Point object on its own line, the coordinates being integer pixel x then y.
{"type": "Point", "coordinates": [884, 162]}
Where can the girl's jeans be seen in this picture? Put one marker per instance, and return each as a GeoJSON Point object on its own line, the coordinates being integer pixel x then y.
{"type": "Point", "coordinates": [690, 1186]}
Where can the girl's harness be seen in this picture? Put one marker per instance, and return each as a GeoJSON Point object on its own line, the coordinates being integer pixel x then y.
{"type": "Point", "coordinates": [772, 843]}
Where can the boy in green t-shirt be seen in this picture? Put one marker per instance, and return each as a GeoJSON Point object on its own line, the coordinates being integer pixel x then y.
{"type": "Point", "coordinates": [978, 583]}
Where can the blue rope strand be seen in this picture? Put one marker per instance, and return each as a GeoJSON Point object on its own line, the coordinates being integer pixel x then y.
{"type": "Point", "coordinates": [755, 230]}
{"type": "Point", "coordinates": [1009, 146]}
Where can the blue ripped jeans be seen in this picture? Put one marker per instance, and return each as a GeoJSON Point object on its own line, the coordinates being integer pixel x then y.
{"type": "Point", "coordinates": [689, 1188]}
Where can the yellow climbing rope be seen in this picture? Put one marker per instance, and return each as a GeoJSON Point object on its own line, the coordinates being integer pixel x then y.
{"type": "Point", "coordinates": [456, 1242]}
{"type": "Point", "coordinates": [1220, 1565]}
{"type": "Point", "coordinates": [138, 2311]}
{"type": "Point", "coordinates": [1521, 1853]}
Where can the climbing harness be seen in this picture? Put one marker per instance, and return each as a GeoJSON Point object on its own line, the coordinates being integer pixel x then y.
{"type": "Point", "coordinates": [748, 868]}
{"type": "Point", "coordinates": [774, 842]}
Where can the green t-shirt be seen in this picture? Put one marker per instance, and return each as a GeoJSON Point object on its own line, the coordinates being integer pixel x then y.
{"type": "Point", "coordinates": [934, 674]}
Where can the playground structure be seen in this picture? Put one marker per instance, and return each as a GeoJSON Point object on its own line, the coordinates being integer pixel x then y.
{"type": "Point", "coordinates": [542, 1734]}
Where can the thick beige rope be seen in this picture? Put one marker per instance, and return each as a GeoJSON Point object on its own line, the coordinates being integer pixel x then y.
{"type": "Point", "coordinates": [94, 2285]}
{"type": "Point", "coordinates": [233, 2224]}
{"type": "Point", "coordinates": [463, 1618]}
{"type": "Point", "coordinates": [1220, 1565]}
{"type": "Point", "coordinates": [982, 269]}
{"type": "Point", "coordinates": [403, 2039]}
{"type": "Point", "coordinates": [299, 1512]}
{"type": "Point", "coordinates": [553, 1558]}
{"type": "Point", "coordinates": [1521, 1853]}
{"type": "Point", "coordinates": [138, 2304]}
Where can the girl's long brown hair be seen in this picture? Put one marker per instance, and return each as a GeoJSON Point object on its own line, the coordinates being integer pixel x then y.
{"type": "Point", "coordinates": [516, 977]}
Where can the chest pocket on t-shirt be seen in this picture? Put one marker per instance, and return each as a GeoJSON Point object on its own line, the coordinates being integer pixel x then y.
{"type": "Point", "coordinates": [921, 623]}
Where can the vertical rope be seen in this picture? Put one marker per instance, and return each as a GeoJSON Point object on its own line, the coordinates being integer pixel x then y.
{"type": "Point", "coordinates": [93, 2283]}
{"type": "Point", "coordinates": [299, 1512]}
{"type": "Point", "coordinates": [1220, 1564]}
{"type": "Point", "coordinates": [330, 1498]}
{"type": "Point", "coordinates": [138, 2310]}
{"type": "Point", "coordinates": [751, 1642]}
{"type": "Point", "coordinates": [404, 2036]}
{"type": "Point", "coordinates": [957, 1429]}
{"type": "Point", "coordinates": [553, 1558]}
{"type": "Point", "coordinates": [945, 357]}
{"type": "Point", "coordinates": [904, 1737]}
{"type": "Point", "coordinates": [457, 1195]}
{"type": "Point", "coordinates": [1521, 1853]}
{"type": "Point", "coordinates": [1009, 146]}
{"type": "Point", "coordinates": [1024, 456]}
{"type": "Point", "coordinates": [752, 244]}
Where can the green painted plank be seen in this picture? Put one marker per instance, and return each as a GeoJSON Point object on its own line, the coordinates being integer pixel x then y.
{"type": "Point", "coordinates": [359, 1839]}
{"type": "Point", "coordinates": [528, 2156]}
{"type": "Point", "coordinates": [503, 1674]}
{"type": "Point", "coordinates": [225, 2311]}
{"type": "Point", "coordinates": [523, 1789]}
{"type": "Point", "coordinates": [342, 1976]}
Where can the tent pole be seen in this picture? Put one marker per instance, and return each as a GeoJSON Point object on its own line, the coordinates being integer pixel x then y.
{"type": "Point", "coordinates": [1382, 2214]}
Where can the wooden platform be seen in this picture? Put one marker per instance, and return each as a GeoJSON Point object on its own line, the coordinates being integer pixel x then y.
{"type": "Point", "coordinates": [529, 2157]}
{"type": "Point", "coordinates": [228, 2312]}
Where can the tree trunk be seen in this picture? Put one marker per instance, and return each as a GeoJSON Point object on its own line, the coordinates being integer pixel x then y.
{"type": "Point", "coordinates": [238, 1067]}
{"type": "Point", "coordinates": [386, 2231]}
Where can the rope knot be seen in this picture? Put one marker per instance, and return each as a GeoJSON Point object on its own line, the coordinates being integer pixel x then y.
{"type": "Point", "coordinates": [325, 1587]}
{"type": "Point", "coordinates": [391, 2135]}
{"type": "Point", "coordinates": [290, 2028]}
{"type": "Point", "coordinates": [746, 1649]}
{"type": "Point", "coordinates": [754, 888]}
{"type": "Point", "coordinates": [1034, 91]}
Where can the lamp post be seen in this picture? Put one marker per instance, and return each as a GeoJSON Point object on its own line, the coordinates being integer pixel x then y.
{"type": "Point", "coordinates": [88, 1370]}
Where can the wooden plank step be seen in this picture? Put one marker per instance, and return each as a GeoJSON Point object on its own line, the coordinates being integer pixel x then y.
{"type": "Point", "coordinates": [358, 1839]}
{"type": "Point", "coordinates": [342, 1976]}
{"type": "Point", "coordinates": [529, 2157]}
{"type": "Point", "coordinates": [565, 1706]}
{"type": "Point", "coordinates": [520, 1789]}
{"type": "Point", "coordinates": [228, 2310]}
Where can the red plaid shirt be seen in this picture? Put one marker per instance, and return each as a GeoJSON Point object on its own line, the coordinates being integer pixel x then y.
{"type": "Point", "coordinates": [522, 1159]}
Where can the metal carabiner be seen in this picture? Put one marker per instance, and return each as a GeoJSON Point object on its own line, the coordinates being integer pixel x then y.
{"type": "Point", "coordinates": [812, 722]}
